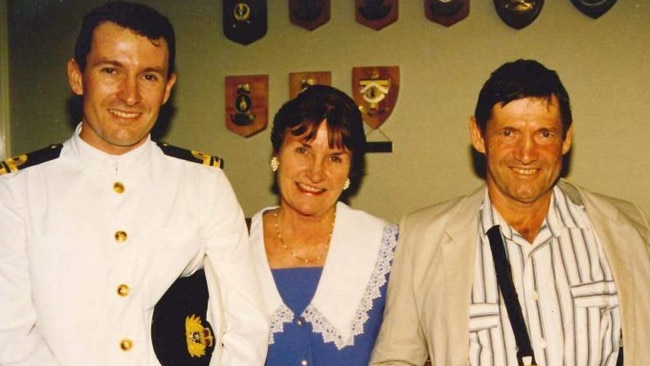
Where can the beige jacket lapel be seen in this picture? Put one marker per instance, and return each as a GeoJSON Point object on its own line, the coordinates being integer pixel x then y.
{"type": "Point", "coordinates": [618, 224]}
{"type": "Point", "coordinates": [458, 248]}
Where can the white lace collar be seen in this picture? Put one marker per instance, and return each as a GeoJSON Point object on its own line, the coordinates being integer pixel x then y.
{"type": "Point", "coordinates": [360, 255]}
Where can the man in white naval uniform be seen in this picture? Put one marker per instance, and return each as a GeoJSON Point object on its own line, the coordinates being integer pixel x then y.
{"type": "Point", "coordinates": [96, 230]}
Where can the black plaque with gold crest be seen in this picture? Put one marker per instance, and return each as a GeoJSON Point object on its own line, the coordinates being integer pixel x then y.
{"type": "Point", "coordinates": [518, 14]}
{"type": "Point", "coordinates": [594, 8]}
{"type": "Point", "coordinates": [376, 14]}
{"type": "Point", "coordinates": [309, 14]}
{"type": "Point", "coordinates": [446, 12]}
{"type": "Point", "coordinates": [244, 21]}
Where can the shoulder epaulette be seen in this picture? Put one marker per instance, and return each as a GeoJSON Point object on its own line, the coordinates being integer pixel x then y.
{"type": "Point", "coordinates": [33, 158]}
{"type": "Point", "coordinates": [191, 155]}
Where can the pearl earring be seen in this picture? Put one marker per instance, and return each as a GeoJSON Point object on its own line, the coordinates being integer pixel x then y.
{"type": "Point", "coordinates": [346, 185]}
{"type": "Point", "coordinates": [275, 164]}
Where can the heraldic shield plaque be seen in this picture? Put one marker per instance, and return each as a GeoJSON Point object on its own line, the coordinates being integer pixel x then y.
{"type": "Point", "coordinates": [247, 104]}
{"type": "Point", "coordinates": [309, 14]}
{"type": "Point", "coordinates": [446, 12]}
{"type": "Point", "coordinates": [244, 21]}
{"type": "Point", "coordinates": [375, 90]}
{"type": "Point", "coordinates": [376, 14]}
{"type": "Point", "coordinates": [594, 8]}
{"type": "Point", "coordinates": [298, 81]}
{"type": "Point", "coordinates": [518, 14]}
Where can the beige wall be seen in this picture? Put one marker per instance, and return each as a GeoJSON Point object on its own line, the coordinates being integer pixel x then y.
{"type": "Point", "coordinates": [604, 64]}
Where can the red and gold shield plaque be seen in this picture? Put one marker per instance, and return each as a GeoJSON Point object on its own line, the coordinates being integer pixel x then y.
{"type": "Point", "coordinates": [446, 12]}
{"type": "Point", "coordinates": [298, 81]}
{"type": "Point", "coordinates": [376, 14]}
{"type": "Point", "coordinates": [244, 21]}
{"type": "Point", "coordinates": [375, 90]}
{"type": "Point", "coordinates": [247, 104]}
{"type": "Point", "coordinates": [518, 13]}
{"type": "Point", "coordinates": [594, 8]}
{"type": "Point", "coordinates": [309, 14]}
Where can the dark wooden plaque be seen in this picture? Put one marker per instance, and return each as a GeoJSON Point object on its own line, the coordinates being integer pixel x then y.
{"type": "Point", "coordinates": [447, 12]}
{"type": "Point", "coordinates": [594, 8]}
{"type": "Point", "coordinates": [376, 14]}
{"type": "Point", "coordinates": [247, 104]}
{"type": "Point", "coordinates": [298, 81]}
{"type": "Point", "coordinates": [375, 90]}
{"type": "Point", "coordinates": [309, 14]}
{"type": "Point", "coordinates": [518, 14]}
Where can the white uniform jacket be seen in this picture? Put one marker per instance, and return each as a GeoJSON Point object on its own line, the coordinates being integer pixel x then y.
{"type": "Point", "coordinates": [89, 243]}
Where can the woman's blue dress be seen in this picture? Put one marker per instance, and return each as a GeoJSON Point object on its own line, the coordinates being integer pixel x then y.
{"type": "Point", "coordinates": [298, 344]}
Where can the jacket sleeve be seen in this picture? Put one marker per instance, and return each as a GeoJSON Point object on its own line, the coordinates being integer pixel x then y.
{"type": "Point", "coordinates": [401, 340]}
{"type": "Point", "coordinates": [20, 340]}
{"type": "Point", "coordinates": [235, 295]}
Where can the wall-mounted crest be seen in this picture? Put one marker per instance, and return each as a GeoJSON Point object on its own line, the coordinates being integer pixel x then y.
{"type": "Point", "coordinates": [375, 90]}
{"type": "Point", "coordinates": [376, 14]}
{"type": "Point", "coordinates": [247, 104]}
{"type": "Point", "coordinates": [446, 12]}
{"type": "Point", "coordinates": [594, 8]}
{"type": "Point", "coordinates": [309, 14]}
{"type": "Point", "coordinates": [298, 81]}
{"type": "Point", "coordinates": [244, 21]}
{"type": "Point", "coordinates": [518, 13]}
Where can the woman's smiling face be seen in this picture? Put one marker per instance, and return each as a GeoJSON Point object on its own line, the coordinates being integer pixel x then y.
{"type": "Point", "coordinates": [312, 173]}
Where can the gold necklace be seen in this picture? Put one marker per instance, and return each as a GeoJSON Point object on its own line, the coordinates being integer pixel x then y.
{"type": "Point", "coordinates": [305, 260]}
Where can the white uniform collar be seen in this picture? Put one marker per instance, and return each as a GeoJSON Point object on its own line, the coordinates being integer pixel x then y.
{"type": "Point", "coordinates": [114, 165]}
{"type": "Point", "coordinates": [349, 281]}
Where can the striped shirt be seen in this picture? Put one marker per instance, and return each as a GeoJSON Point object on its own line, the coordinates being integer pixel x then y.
{"type": "Point", "coordinates": [564, 285]}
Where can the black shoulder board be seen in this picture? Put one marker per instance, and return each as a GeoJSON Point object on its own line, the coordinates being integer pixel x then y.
{"type": "Point", "coordinates": [180, 333]}
{"type": "Point", "coordinates": [34, 158]}
{"type": "Point", "coordinates": [191, 155]}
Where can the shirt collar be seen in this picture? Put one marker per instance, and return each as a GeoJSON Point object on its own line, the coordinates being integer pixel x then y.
{"type": "Point", "coordinates": [562, 214]}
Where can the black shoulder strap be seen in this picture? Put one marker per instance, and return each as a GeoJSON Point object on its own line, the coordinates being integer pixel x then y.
{"type": "Point", "coordinates": [504, 278]}
{"type": "Point", "coordinates": [191, 155]}
{"type": "Point", "coordinates": [34, 158]}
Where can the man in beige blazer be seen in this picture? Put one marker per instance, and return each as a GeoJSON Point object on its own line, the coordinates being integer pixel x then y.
{"type": "Point", "coordinates": [580, 262]}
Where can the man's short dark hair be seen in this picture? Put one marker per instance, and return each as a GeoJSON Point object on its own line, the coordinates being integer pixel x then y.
{"type": "Point", "coordinates": [521, 79]}
{"type": "Point", "coordinates": [141, 19]}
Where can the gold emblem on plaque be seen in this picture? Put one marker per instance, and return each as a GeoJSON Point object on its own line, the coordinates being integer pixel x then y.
{"type": "Point", "coordinates": [241, 12]}
{"type": "Point", "coordinates": [298, 81]}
